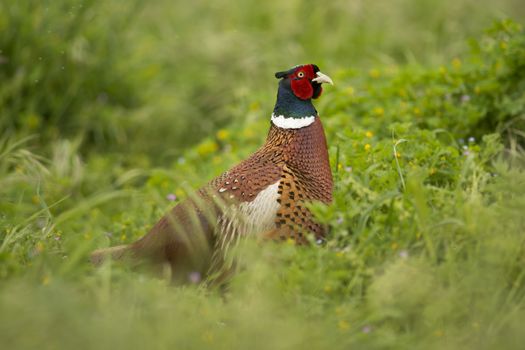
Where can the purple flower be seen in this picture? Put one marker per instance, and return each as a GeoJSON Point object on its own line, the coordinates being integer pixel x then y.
{"type": "Point", "coordinates": [194, 277]}
{"type": "Point", "coordinates": [466, 153]}
{"type": "Point", "coordinates": [465, 98]}
{"type": "Point", "coordinates": [403, 254]}
{"type": "Point", "coordinates": [339, 220]}
{"type": "Point", "coordinates": [171, 197]}
{"type": "Point", "coordinates": [367, 329]}
{"type": "Point", "coordinates": [348, 169]}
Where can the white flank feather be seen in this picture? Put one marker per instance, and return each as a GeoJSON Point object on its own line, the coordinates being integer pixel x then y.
{"type": "Point", "coordinates": [260, 213]}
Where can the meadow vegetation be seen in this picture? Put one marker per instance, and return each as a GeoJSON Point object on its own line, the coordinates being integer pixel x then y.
{"type": "Point", "coordinates": [111, 112]}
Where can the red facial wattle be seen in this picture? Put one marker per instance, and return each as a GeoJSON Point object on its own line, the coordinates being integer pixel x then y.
{"type": "Point", "coordinates": [301, 82]}
{"type": "Point", "coordinates": [302, 88]}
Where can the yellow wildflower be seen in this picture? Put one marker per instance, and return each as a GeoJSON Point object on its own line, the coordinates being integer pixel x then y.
{"type": "Point", "coordinates": [367, 147]}
{"type": "Point", "coordinates": [379, 111]}
{"type": "Point", "coordinates": [32, 121]}
{"type": "Point", "coordinates": [179, 192]}
{"type": "Point", "coordinates": [369, 134]}
{"type": "Point", "coordinates": [207, 147]}
{"type": "Point", "coordinates": [222, 134]}
{"type": "Point", "coordinates": [46, 280]}
{"type": "Point", "coordinates": [343, 325]}
{"type": "Point", "coordinates": [374, 73]}
{"type": "Point", "coordinates": [456, 63]}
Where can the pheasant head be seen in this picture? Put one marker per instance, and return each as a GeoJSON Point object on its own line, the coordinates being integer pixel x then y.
{"type": "Point", "coordinates": [297, 87]}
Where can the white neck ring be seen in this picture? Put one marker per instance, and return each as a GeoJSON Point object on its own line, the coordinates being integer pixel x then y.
{"type": "Point", "coordinates": [292, 123]}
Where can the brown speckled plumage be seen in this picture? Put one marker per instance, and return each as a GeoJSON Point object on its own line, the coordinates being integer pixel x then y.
{"type": "Point", "coordinates": [300, 153]}
{"type": "Point", "coordinates": [305, 177]}
{"type": "Point", "coordinates": [265, 195]}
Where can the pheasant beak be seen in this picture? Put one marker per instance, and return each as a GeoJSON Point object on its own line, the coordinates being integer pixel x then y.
{"type": "Point", "coordinates": [323, 78]}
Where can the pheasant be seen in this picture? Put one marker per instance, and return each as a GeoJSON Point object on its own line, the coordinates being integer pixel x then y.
{"type": "Point", "coordinates": [264, 195]}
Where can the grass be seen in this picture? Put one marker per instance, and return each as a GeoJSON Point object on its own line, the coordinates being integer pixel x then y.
{"type": "Point", "coordinates": [426, 145]}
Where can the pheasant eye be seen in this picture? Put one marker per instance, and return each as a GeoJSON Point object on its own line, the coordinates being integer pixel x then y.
{"type": "Point", "coordinates": [300, 74]}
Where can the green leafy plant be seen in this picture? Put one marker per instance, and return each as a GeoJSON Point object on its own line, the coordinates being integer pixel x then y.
{"type": "Point", "coordinates": [426, 229]}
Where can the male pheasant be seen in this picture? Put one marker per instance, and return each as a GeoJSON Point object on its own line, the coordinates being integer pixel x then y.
{"type": "Point", "coordinates": [264, 195]}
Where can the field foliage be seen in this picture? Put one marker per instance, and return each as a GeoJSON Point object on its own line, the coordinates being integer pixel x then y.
{"type": "Point", "coordinates": [108, 121]}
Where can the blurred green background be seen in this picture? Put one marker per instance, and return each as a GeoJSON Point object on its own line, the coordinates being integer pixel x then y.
{"type": "Point", "coordinates": [111, 111]}
{"type": "Point", "coordinates": [136, 77]}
